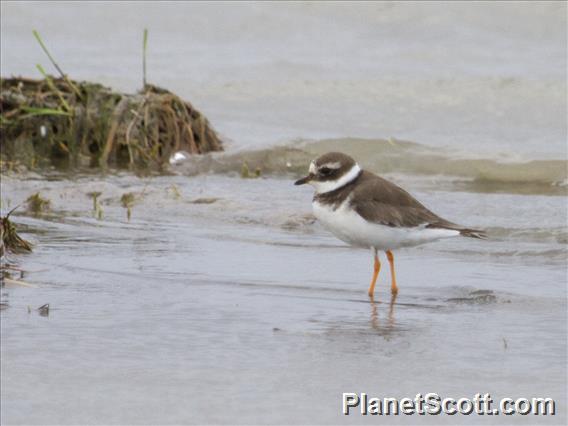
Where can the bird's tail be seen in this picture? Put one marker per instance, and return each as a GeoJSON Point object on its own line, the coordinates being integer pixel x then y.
{"type": "Point", "coordinates": [473, 233]}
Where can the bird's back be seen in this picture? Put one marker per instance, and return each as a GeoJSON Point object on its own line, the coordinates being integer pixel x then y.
{"type": "Point", "coordinates": [381, 201]}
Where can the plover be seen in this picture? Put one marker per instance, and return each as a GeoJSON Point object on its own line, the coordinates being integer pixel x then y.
{"type": "Point", "coordinates": [365, 210]}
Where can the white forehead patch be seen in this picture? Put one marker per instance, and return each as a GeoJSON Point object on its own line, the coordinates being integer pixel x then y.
{"type": "Point", "coordinates": [313, 169]}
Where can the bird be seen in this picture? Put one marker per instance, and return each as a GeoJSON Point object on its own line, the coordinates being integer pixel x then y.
{"type": "Point", "coordinates": [368, 211]}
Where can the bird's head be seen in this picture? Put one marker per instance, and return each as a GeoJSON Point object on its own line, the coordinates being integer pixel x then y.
{"type": "Point", "coordinates": [330, 172]}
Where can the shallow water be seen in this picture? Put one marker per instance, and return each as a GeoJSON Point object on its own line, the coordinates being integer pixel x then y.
{"type": "Point", "coordinates": [222, 301]}
{"type": "Point", "coordinates": [207, 313]}
{"type": "Point", "coordinates": [480, 79]}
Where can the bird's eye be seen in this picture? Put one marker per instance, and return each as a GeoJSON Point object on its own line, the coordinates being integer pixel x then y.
{"type": "Point", "coordinates": [325, 171]}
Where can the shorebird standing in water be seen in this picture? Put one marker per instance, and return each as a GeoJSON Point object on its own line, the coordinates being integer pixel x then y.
{"type": "Point", "coordinates": [365, 210]}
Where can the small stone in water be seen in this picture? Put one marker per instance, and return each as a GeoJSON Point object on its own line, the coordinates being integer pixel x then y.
{"type": "Point", "coordinates": [44, 310]}
{"type": "Point", "coordinates": [179, 157]}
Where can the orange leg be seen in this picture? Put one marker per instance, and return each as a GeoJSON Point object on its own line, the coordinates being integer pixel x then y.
{"type": "Point", "coordinates": [390, 257]}
{"type": "Point", "coordinates": [375, 275]}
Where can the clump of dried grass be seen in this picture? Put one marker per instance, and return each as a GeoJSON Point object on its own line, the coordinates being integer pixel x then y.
{"type": "Point", "coordinates": [65, 122]}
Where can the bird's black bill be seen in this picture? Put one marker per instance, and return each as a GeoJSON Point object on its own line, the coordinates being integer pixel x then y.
{"type": "Point", "coordinates": [303, 180]}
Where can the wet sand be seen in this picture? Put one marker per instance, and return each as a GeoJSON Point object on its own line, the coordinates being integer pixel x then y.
{"type": "Point", "coordinates": [220, 313]}
{"type": "Point", "coordinates": [238, 308]}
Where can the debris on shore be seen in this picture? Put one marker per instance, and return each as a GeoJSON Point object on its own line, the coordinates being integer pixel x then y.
{"type": "Point", "coordinates": [37, 204]}
{"type": "Point", "coordinates": [57, 121]}
{"type": "Point", "coordinates": [10, 241]}
{"type": "Point", "coordinates": [61, 122]}
{"type": "Point", "coordinates": [127, 202]}
{"type": "Point", "coordinates": [247, 174]}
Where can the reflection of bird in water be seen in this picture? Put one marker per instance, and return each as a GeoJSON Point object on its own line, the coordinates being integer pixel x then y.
{"type": "Point", "coordinates": [365, 210]}
{"type": "Point", "coordinates": [388, 329]}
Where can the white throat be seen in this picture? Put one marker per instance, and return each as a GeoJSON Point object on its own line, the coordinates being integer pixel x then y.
{"type": "Point", "coordinates": [332, 185]}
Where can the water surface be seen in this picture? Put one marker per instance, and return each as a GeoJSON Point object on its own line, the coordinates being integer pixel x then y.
{"type": "Point", "coordinates": [222, 301]}
{"type": "Point", "coordinates": [252, 305]}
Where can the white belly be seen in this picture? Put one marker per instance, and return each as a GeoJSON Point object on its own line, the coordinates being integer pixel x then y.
{"type": "Point", "coordinates": [346, 224]}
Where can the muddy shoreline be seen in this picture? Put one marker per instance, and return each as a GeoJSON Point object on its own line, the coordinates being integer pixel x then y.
{"type": "Point", "coordinates": [255, 301]}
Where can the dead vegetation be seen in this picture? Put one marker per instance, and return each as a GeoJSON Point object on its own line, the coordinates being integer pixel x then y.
{"type": "Point", "coordinates": [62, 122]}
{"type": "Point", "coordinates": [46, 122]}
{"type": "Point", "coordinates": [10, 241]}
{"type": "Point", "coordinates": [37, 204]}
{"type": "Point", "coordinates": [127, 201]}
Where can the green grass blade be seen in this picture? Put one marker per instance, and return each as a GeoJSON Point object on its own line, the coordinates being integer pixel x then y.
{"type": "Point", "coordinates": [63, 75]}
{"type": "Point", "coordinates": [43, 111]}
{"type": "Point", "coordinates": [144, 49]}
{"type": "Point", "coordinates": [41, 43]}
{"type": "Point", "coordinates": [53, 87]}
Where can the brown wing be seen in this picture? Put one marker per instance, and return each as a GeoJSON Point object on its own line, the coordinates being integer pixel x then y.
{"type": "Point", "coordinates": [380, 201]}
